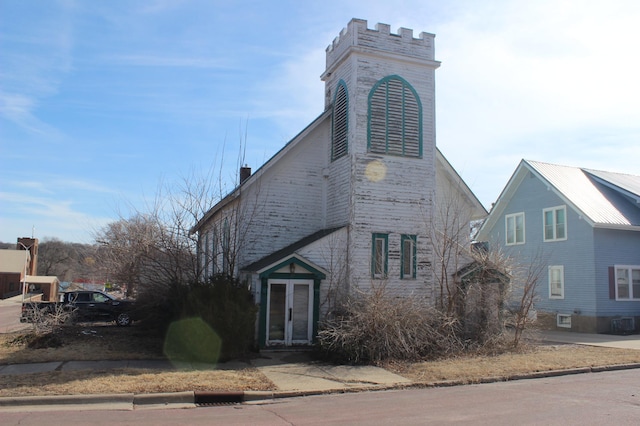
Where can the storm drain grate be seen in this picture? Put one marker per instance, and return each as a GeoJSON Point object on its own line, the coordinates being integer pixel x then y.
{"type": "Point", "coordinates": [218, 398]}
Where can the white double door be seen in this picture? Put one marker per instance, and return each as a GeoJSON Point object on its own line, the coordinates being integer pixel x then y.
{"type": "Point", "coordinates": [289, 321]}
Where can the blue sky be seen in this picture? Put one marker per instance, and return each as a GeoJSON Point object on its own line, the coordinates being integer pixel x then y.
{"type": "Point", "coordinates": [101, 102]}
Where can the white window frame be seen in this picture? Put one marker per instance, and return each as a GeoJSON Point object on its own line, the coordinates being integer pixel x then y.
{"type": "Point", "coordinates": [379, 255]}
{"type": "Point", "coordinates": [563, 320]}
{"type": "Point", "coordinates": [553, 269]}
{"type": "Point", "coordinates": [408, 247]}
{"type": "Point", "coordinates": [515, 241]}
{"type": "Point", "coordinates": [630, 284]}
{"type": "Point", "coordinates": [554, 210]}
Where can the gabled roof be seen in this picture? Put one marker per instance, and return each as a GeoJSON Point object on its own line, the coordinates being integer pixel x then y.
{"type": "Point", "coordinates": [41, 279]}
{"type": "Point", "coordinates": [628, 185]}
{"type": "Point", "coordinates": [289, 250]}
{"type": "Point", "coordinates": [603, 199]}
{"type": "Point", "coordinates": [479, 212]}
{"type": "Point", "coordinates": [251, 180]}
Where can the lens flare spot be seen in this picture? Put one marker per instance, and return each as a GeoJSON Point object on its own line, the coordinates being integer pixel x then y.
{"type": "Point", "coordinates": [375, 171]}
{"type": "Point", "coordinates": [192, 341]}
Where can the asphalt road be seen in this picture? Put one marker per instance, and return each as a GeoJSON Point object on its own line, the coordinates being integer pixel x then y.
{"type": "Point", "coordinates": [583, 399]}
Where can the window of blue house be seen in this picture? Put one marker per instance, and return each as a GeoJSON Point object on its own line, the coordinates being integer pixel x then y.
{"type": "Point", "coordinates": [627, 282]}
{"type": "Point", "coordinates": [379, 255]}
{"type": "Point", "coordinates": [340, 123]}
{"type": "Point", "coordinates": [408, 257]}
{"type": "Point", "coordinates": [556, 282]}
{"type": "Point", "coordinates": [514, 228]}
{"type": "Point", "coordinates": [555, 223]}
{"type": "Point", "coordinates": [395, 118]}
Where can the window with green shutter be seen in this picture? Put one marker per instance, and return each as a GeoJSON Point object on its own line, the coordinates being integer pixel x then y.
{"type": "Point", "coordinates": [395, 118]}
{"type": "Point", "coordinates": [340, 124]}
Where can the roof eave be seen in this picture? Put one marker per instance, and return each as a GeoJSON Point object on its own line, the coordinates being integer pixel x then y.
{"type": "Point", "coordinates": [252, 179]}
{"type": "Point", "coordinates": [618, 227]}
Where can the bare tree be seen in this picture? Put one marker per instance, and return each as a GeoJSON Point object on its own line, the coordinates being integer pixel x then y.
{"type": "Point", "coordinates": [67, 261]}
{"type": "Point", "coordinates": [156, 248]}
{"type": "Point", "coordinates": [524, 291]}
{"type": "Point", "coordinates": [56, 257]}
{"type": "Point", "coordinates": [451, 243]}
{"type": "Point", "coordinates": [481, 287]}
{"type": "Point", "coordinates": [128, 251]}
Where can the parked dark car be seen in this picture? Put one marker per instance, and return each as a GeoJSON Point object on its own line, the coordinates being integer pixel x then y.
{"type": "Point", "coordinates": [84, 305]}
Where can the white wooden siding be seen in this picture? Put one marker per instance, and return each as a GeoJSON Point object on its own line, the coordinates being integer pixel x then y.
{"type": "Point", "coordinates": [289, 197]}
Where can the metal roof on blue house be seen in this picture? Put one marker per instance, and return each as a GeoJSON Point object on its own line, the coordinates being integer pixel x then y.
{"type": "Point", "coordinates": [594, 194]}
{"type": "Point", "coordinates": [604, 199]}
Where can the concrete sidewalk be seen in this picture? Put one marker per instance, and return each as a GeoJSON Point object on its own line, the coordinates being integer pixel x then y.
{"type": "Point", "coordinates": [289, 371]}
{"type": "Point", "coordinates": [607, 340]}
{"type": "Point", "coordinates": [292, 373]}
{"type": "Point", "coordinates": [297, 371]}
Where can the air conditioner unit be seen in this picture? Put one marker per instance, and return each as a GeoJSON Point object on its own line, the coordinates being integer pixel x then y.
{"type": "Point", "coordinates": [625, 325]}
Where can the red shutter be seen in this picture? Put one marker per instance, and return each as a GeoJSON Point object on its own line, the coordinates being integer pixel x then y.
{"type": "Point", "coordinates": [612, 283]}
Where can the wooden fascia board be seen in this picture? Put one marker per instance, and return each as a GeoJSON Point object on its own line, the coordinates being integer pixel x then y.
{"type": "Point", "coordinates": [260, 171]}
{"type": "Point", "coordinates": [523, 168]}
{"type": "Point", "coordinates": [634, 228]}
{"type": "Point", "coordinates": [286, 148]}
{"type": "Point", "coordinates": [480, 211]}
{"type": "Point", "coordinates": [298, 260]}
{"type": "Point", "coordinates": [503, 199]}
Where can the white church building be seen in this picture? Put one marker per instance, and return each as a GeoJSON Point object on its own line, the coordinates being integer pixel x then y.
{"type": "Point", "coordinates": [351, 201]}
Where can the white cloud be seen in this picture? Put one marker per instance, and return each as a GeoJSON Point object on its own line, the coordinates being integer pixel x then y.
{"type": "Point", "coordinates": [34, 67]}
{"type": "Point", "coordinates": [552, 81]}
{"type": "Point", "coordinates": [49, 215]}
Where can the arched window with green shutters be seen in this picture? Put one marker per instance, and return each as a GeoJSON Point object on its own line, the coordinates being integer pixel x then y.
{"type": "Point", "coordinates": [395, 118]}
{"type": "Point", "coordinates": [340, 123]}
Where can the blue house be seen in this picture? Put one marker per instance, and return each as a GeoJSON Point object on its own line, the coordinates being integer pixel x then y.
{"type": "Point", "coordinates": [583, 226]}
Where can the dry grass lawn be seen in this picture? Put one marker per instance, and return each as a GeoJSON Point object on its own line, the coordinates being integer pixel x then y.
{"type": "Point", "coordinates": [534, 358]}
{"type": "Point", "coordinates": [132, 381]}
{"type": "Point", "coordinates": [80, 343]}
{"type": "Point", "coordinates": [107, 342]}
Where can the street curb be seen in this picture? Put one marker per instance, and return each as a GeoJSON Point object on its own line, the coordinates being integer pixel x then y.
{"type": "Point", "coordinates": [217, 397]}
{"type": "Point", "coordinates": [163, 398]}
{"type": "Point", "coordinates": [66, 399]}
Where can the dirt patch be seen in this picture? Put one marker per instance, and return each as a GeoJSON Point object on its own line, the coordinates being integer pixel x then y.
{"type": "Point", "coordinates": [83, 342]}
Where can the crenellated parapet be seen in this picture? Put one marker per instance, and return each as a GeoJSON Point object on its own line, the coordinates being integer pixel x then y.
{"type": "Point", "coordinates": [357, 35]}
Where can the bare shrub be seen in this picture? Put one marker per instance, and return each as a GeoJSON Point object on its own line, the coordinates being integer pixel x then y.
{"type": "Point", "coordinates": [520, 314]}
{"type": "Point", "coordinates": [374, 326]}
{"type": "Point", "coordinates": [45, 319]}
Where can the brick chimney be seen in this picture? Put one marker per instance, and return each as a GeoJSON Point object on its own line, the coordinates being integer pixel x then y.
{"type": "Point", "coordinates": [245, 173]}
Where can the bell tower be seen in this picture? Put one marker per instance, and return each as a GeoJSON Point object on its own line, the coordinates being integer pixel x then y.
{"type": "Point", "coordinates": [381, 178]}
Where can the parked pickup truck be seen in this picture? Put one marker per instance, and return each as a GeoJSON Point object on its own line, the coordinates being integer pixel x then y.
{"type": "Point", "coordinates": [84, 305]}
